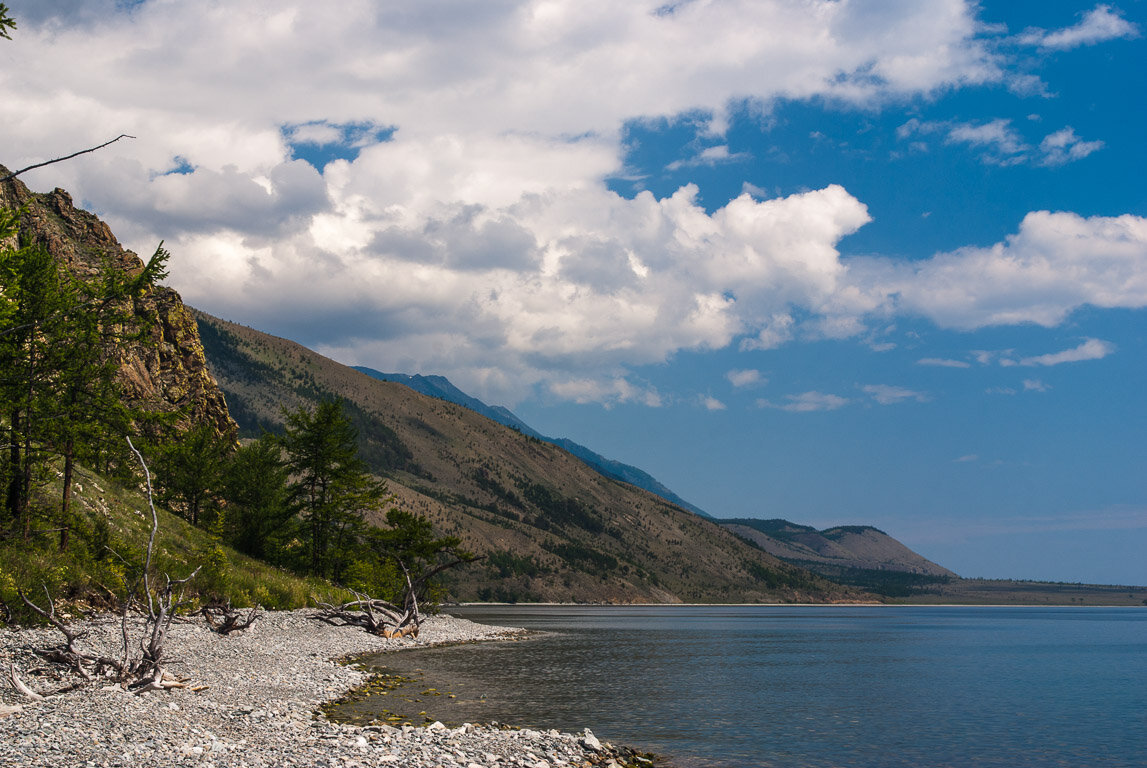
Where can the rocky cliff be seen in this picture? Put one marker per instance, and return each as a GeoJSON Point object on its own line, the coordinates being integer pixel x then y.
{"type": "Point", "coordinates": [166, 373]}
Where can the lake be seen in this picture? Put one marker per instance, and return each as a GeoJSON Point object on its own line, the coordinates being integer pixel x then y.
{"type": "Point", "coordinates": [847, 687]}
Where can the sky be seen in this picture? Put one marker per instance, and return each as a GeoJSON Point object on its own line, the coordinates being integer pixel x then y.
{"type": "Point", "coordinates": [832, 261]}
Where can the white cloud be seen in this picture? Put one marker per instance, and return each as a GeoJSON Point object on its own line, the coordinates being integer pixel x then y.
{"type": "Point", "coordinates": [709, 156]}
{"type": "Point", "coordinates": [941, 362]}
{"type": "Point", "coordinates": [1054, 264]}
{"type": "Point", "coordinates": [967, 459]}
{"type": "Point", "coordinates": [745, 378]}
{"type": "Point", "coordinates": [886, 394]}
{"type": "Point", "coordinates": [807, 402]}
{"type": "Point", "coordinates": [1097, 25]}
{"type": "Point", "coordinates": [1064, 147]}
{"type": "Point", "coordinates": [1003, 144]}
{"type": "Point", "coordinates": [712, 403]}
{"type": "Point", "coordinates": [608, 392]}
{"type": "Point", "coordinates": [1091, 349]}
{"type": "Point", "coordinates": [472, 231]}
{"type": "Point", "coordinates": [1035, 385]}
{"type": "Point", "coordinates": [774, 332]}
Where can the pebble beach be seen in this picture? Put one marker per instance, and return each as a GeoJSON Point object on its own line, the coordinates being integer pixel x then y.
{"type": "Point", "coordinates": [257, 704]}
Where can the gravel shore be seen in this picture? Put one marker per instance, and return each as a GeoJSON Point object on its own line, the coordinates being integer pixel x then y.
{"type": "Point", "coordinates": [264, 686]}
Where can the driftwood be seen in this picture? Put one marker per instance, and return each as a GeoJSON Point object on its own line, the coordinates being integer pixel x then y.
{"type": "Point", "coordinates": [383, 618]}
{"type": "Point", "coordinates": [223, 619]}
{"type": "Point", "coordinates": [141, 666]}
{"type": "Point", "coordinates": [378, 617]}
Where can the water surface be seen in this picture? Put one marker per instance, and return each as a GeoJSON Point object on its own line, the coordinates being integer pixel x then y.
{"type": "Point", "coordinates": [854, 687]}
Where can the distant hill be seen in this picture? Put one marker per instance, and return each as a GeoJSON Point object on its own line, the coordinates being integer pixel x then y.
{"type": "Point", "coordinates": [859, 555]}
{"type": "Point", "coordinates": [550, 527]}
{"type": "Point", "coordinates": [442, 388]}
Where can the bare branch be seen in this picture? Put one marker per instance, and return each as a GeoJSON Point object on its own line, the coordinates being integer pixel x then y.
{"type": "Point", "coordinates": [154, 529]}
{"type": "Point", "coordinates": [18, 684]}
{"type": "Point", "coordinates": [62, 159]}
{"type": "Point", "coordinates": [223, 619]}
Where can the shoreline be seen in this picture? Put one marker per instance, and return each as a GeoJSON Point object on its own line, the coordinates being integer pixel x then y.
{"type": "Point", "coordinates": [261, 706]}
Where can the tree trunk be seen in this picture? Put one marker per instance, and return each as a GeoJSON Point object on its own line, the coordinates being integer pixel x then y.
{"type": "Point", "coordinates": [66, 502]}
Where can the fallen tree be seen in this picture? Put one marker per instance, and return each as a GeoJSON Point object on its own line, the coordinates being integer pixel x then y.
{"type": "Point", "coordinates": [378, 617]}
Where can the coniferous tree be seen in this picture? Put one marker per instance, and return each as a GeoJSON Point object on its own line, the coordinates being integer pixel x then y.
{"type": "Point", "coordinates": [38, 295]}
{"type": "Point", "coordinates": [190, 472]}
{"type": "Point", "coordinates": [58, 377]}
{"type": "Point", "coordinates": [331, 486]}
{"type": "Point", "coordinates": [258, 518]}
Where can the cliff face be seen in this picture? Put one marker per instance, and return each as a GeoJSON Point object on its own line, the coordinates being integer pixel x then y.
{"type": "Point", "coordinates": [166, 374]}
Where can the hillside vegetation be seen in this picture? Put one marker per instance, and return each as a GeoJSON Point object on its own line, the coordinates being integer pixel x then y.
{"type": "Point", "coordinates": [112, 523]}
{"type": "Point", "coordinates": [550, 527]}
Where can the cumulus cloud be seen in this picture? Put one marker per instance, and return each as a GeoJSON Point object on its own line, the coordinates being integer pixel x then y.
{"type": "Point", "coordinates": [943, 362]}
{"type": "Point", "coordinates": [1054, 264]}
{"type": "Point", "coordinates": [1097, 25]}
{"type": "Point", "coordinates": [430, 189]}
{"type": "Point", "coordinates": [711, 403]}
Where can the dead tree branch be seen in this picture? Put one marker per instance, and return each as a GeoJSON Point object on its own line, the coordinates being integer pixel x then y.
{"type": "Point", "coordinates": [223, 619]}
{"type": "Point", "coordinates": [378, 617]}
{"type": "Point", "coordinates": [62, 159]}
{"type": "Point", "coordinates": [141, 671]}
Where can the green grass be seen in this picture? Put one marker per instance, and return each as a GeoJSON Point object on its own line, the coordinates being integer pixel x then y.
{"type": "Point", "coordinates": [107, 549]}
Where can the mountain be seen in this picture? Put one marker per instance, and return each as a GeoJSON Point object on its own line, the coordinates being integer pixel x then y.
{"type": "Point", "coordinates": [168, 373]}
{"type": "Point", "coordinates": [859, 555]}
{"type": "Point", "coordinates": [442, 388]}
{"type": "Point", "coordinates": [550, 527]}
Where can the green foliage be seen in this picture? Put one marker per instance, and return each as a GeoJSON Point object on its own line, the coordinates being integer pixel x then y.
{"type": "Point", "coordinates": [214, 577]}
{"type": "Point", "coordinates": [409, 548]}
{"type": "Point", "coordinates": [190, 473]}
{"type": "Point", "coordinates": [6, 22]}
{"type": "Point", "coordinates": [558, 510]}
{"type": "Point", "coordinates": [107, 551]}
{"type": "Point", "coordinates": [257, 518]}
{"type": "Point", "coordinates": [779, 578]}
{"type": "Point", "coordinates": [505, 564]}
{"type": "Point", "coordinates": [58, 371]}
{"type": "Point", "coordinates": [330, 484]}
{"type": "Point", "coordinates": [583, 557]}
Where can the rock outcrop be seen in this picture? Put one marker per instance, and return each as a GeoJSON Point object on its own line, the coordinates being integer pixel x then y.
{"type": "Point", "coordinates": [168, 372]}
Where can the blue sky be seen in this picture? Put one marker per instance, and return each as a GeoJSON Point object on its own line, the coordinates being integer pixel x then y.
{"type": "Point", "coordinates": [836, 262]}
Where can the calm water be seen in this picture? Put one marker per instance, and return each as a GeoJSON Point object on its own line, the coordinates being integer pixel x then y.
{"type": "Point", "coordinates": [854, 687]}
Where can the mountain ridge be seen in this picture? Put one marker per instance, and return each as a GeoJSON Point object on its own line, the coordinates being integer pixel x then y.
{"type": "Point", "coordinates": [441, 387]}
{"type": "Point", "coordinates": [551, 528]}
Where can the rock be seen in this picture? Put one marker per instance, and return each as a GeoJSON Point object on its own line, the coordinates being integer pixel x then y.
{"type": "Point", "coordinates": [10, 709]}
{"type": "Point", "coordinates": [169, 373]}
{"type": "Point", "coordinates": [589, 741]}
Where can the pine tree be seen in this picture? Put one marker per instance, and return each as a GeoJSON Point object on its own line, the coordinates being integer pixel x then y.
{"type": "Point", "coordinates": [331, 486]}
{"type": "Point", "coordinates": [58, 375]}
{"type": "Point", "coordinates": [191, 471]}
{"type": "Point", "coordinates": [258, 519]}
